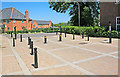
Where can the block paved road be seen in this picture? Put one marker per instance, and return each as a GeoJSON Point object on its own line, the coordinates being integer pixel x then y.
{"type": "Point", "coordinates": [69, 57]}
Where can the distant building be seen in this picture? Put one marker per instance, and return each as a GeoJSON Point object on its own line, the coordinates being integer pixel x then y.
{"type": "Point", "coordinates": [41, 24]}
{"type": "Point", "coordinates": [110, 11]}
{"type": "Point", "coordinates": [11, 17]}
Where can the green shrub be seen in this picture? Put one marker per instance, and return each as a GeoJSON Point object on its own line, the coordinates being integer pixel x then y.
{"type": "Point", "coordinates": [95, 31]}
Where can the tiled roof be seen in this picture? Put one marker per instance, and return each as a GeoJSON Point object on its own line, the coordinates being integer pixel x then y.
{"type": "Point", "coordinates": [41, 22]}
{"type": "Point", "coordinates": [6, 14]}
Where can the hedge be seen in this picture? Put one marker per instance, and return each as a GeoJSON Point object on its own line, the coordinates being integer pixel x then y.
{"type": "Point", "coordinates": [95, 31]}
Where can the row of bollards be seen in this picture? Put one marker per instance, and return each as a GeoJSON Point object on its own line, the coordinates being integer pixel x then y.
{"type": "Point", "coordinates": [30, 42]}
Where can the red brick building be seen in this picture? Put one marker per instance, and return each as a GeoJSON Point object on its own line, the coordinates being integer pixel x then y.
{"type": "Point", "coordinates": [110, 11]}
{"type": "Point", "coordinates": [11, 17]}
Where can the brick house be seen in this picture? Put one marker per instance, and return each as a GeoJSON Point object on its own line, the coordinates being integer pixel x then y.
{"type": "Point", "coordinates": [110, 11]}
{"type": "Point", "coordinates": [41, 24]}
{"type": "Point", "coordinates": [11, 17]}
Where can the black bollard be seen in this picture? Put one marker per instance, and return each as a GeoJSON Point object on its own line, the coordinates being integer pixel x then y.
{"type": "Point", "coordinates": [110, 39]}
{"type": "Point", "coordinates": [21, 38]}
{"type": "Point", "coordinates": [35, 58]}
{"type": "Point", "coordinates": [60, 37]}
{"type": "Point", "coordinates": [88, 37]}
{"type": "Point", "coordinates": [30, 43]}
{"type": "Point", "coordinates": [65, 34]}
{"type": "Point", "coordinates": [11, 35]}
{"type": "Point", "coordinates": [13, 42]}
{"type": "Point", "coordinates": [82, 35]}
{"type": "Point", "coordinates": [31, 48]}
{"type": "Point", "coordinates": [45, 39]}
{"type": "Point", "coordinates": [28, 40]}
{"type": "Point", "coordinates": [15, 32]}
{"type": "Point", "coordinates": [56, 32]}
{"type": "Point", "coordinates": [73, 36]}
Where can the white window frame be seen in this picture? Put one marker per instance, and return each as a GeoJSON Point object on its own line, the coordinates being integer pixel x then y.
{"type": "Point", "coordinates": [116, 22]}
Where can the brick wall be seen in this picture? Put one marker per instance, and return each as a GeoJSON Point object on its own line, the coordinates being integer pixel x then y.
{"type": "Point", "coordinates": [18, 24]}
{"type": "Point", "coordinates": [34, 25]}
{"type": "Point", "coordinates": [109, 12]}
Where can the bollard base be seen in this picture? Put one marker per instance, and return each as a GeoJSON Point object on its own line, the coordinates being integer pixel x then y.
{"type": "Point", "coordinates": [31, 53]}
{"type": "Point", "coordinates": [35, 66]}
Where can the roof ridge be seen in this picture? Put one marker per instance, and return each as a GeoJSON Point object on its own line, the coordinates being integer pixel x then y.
{"type": "Point", "coordinates": [19, 12]}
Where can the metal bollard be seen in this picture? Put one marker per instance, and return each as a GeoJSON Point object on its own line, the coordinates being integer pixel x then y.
{"type": "Point", "coordinates": [28, 40]}
{"type": "Point", "coordinates": [15, 32]}
{"type": "Point", "coordinates": [73, 36]}
{"type": "Point", "coordinates": [60, 37]}
{"type": "Point", "coordinates": [56, 33]}
{"type": "Point", "coordinates": [21, 38]}
{"type": "Point", "coordinates": [13, 42]}
{"type": "Point", "coordinates": [65, 34]}
{"type": "Point", "coordinates": [88, 37]}
{"type": "Point", "coordinates": [30, 43]}
{"type": "Point", "coordinates": [15, 35]}
{"type": "Point", "coordinates": [82, 35]}
{"type": "Point", "coordinates": [31, 48]}
{"type": "Point", "coordinates": [35, 58]}
{"type": "Point", "coordinates": [11, 35]}
{"type": "Point", "coordinates": [45, 39]}
{"type": "Point", "coordinates": [110, 38]}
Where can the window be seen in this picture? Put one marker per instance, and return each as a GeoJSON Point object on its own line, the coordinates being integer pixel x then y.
{"type": "Point", "coordinates": [29, 27]}
{"type": "Point", "coordinates": [22, 21]}
{"type": "Point", "coordinates": [117, 23]}
{"type": "Point", "coordinates": [14, 21]}
{"type": "Point", "coordinates": [8, 28]}
{"type": "Point", "coordinates": [33, 25]}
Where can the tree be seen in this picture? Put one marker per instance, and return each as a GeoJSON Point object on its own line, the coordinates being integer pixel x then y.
{"type": "Point", "coordinates": [88, 11]}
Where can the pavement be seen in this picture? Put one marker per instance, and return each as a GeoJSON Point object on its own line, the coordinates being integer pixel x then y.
{"type": "Point", "coordinates": [68, 57]}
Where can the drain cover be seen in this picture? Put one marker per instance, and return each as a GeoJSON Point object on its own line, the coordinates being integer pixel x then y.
{"type": "Point", "coordinates": [83, 43]}
{"type": "Point", "coordinates": [3, 47]}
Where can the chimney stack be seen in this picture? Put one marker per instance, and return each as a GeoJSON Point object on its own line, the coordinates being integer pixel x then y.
{"type": "Point", "coordinates": [26, 15]}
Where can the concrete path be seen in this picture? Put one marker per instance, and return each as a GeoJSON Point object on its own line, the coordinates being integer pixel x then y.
{"type": "Point", "coordinates": [69, 57]}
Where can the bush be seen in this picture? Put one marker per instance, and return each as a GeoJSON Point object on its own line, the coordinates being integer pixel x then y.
{"type": "Point", "coordinates": [95, 31]}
